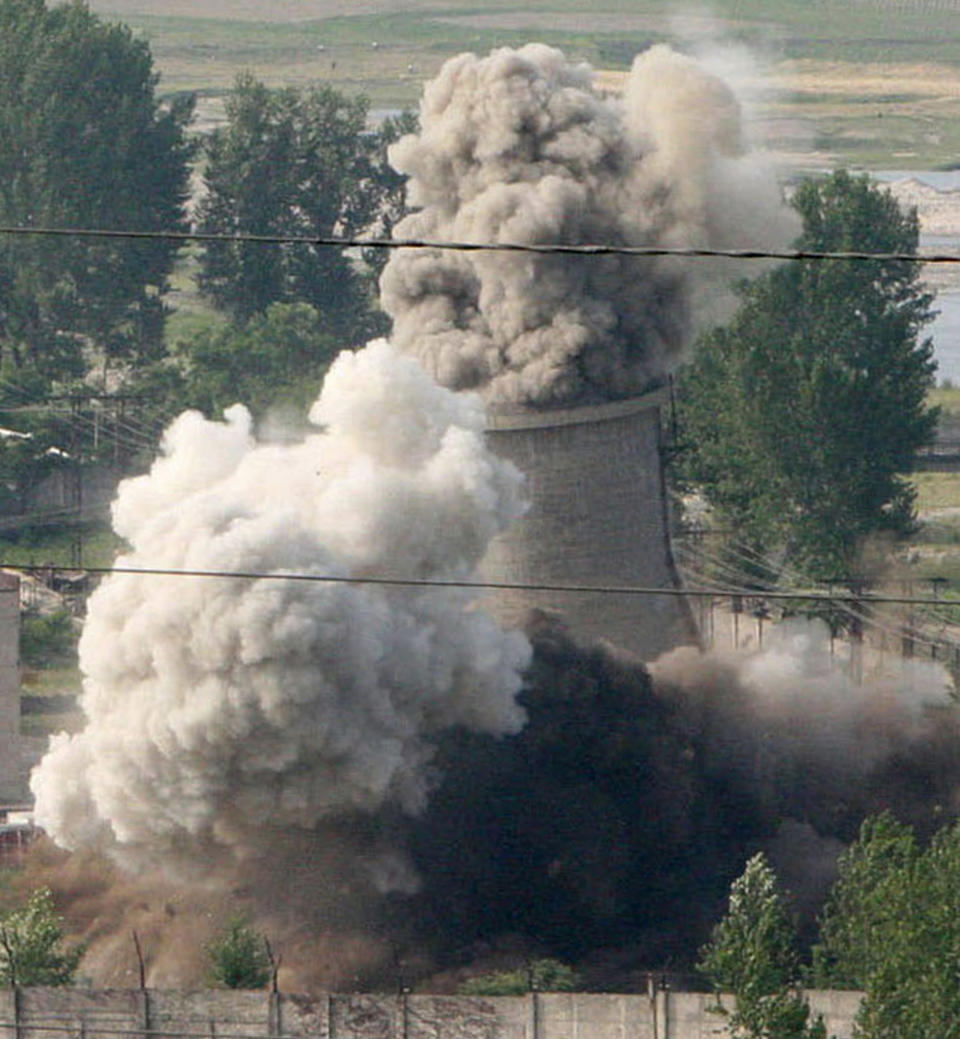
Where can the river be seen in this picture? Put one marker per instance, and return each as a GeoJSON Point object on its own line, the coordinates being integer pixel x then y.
{"type": "Point", "coordinates": [945, 329]}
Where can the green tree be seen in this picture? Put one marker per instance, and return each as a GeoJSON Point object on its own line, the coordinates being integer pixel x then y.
{"type": "Point", "coordinates": [276, 359]}
{"type": "Point", "coordinates": [802, 415]}
{"type": "Point", "coordinates": [892, 927]}
{"type": "Point", "coordinates": [238, 957]}
{"type": "Point", "coordinates": [300, 163]}
{"type": "Point", "coordinates": [47, 638]}
{"type": "Point", "coordinates": [865, 904]}
{"type": "Point", "coordinates": [83, 143]}
{"type": "Point", "coordinates": [543, 975]}
{"type": "Point", "coordinates": [31, 945]}
{"type": "Point", "coordinates": [752, 956]}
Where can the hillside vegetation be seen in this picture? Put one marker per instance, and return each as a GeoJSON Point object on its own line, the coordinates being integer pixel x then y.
{"type": "Point", "coordinates": [871, 82]}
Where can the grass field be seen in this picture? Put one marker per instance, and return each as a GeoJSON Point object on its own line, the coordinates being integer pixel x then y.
{"type": "Point", "coordinates": [870, 82]}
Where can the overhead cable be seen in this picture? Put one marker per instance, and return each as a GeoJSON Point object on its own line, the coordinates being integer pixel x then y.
{"type": "Point", "coordinates": [559, 248]}
{"type": "Point", "coordinates": [481, 585]}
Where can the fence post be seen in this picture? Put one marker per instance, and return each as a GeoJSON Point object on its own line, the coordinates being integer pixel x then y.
{"type": "Point", "coordinates": [145, 1022]}
{"type": "Point", "coordinates": [404, 1018]}
{"type": "Point", "coordinates": [274, 1024]}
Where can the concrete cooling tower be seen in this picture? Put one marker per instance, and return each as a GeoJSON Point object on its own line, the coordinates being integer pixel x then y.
{"type": "Point", "coordinates": [598, 517]}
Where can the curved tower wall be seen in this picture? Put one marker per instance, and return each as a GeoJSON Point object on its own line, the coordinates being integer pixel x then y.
{"type": "Point", "coordinates": [598, 516]}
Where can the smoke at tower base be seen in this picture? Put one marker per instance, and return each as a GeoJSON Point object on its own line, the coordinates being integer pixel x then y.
{"type": "Point", "coordinates": [620, 814]}
{"type": "Point", "coordinates": [221, 708]}
{"type": "Point", "coordinates": [519, 147]}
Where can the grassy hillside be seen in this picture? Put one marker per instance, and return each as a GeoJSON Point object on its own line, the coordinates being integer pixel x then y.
{"type": "Point", "coordinates": [826, 103]}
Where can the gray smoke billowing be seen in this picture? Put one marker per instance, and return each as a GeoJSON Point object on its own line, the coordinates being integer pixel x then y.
{"type": "Point", "coordinates": [519, 147]}
{"type": "Point", "coordinates": [218, 710]}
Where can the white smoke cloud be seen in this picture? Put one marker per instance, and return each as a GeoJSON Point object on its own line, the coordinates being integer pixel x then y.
{"type": "Point", "coordinates": [217, 707]}
{"type": "Point", "coordinates": [519, 147]}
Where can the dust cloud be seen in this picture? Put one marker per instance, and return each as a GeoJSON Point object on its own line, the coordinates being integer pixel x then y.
{"type": "Point", "coordinates": [520, 147]}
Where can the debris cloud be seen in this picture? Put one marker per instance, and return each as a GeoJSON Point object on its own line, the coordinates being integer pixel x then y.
{"type": "Point", "coordinates": [519, 147]}
{"type": "Point", "coordinates": [621, 813]}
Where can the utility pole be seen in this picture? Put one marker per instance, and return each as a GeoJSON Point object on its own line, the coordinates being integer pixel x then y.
{"type": "Point", "coordinates": [76, 453]}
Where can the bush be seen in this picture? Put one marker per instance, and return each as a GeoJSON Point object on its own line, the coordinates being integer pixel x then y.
{"type": "Point", "coordinates": [238, 957]}
{"type": "Point", "coordinates": [47, 638]}
{"type": "Point", "coordinates": [30, 945]}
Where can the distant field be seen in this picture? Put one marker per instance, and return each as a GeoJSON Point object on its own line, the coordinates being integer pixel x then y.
{"type": "Point", "coordinates": [871, 82]}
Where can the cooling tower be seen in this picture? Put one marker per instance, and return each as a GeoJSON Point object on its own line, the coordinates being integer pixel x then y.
{"type": "Point", "coordinates": [598, 517]}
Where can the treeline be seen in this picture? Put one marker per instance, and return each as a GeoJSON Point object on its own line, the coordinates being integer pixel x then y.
{"type": "Point", "coordinates": [87, 366]}
{"type": "Point", "coordinates": [890, 928]}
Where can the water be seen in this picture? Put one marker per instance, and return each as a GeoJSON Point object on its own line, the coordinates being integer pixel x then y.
{"type": "Point", "coordinates": [946, 337]}
{"type": "Point", "coordinates": [945, 329]}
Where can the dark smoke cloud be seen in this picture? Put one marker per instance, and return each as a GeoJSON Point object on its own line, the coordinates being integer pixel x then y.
{"type": "Point", "coordinates": [624, 809]}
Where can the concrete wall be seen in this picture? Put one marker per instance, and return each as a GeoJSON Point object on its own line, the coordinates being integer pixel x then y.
{"type": "Point", "coordinates": [598, 517]}
{"type": "Point", "coordinates": [88, 1014]}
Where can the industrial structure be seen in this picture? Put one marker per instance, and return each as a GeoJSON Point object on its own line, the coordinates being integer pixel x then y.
{"type": "Point", "coordinates": [597, 518]}
{"type": "Point", "coordinates": [11, 769]}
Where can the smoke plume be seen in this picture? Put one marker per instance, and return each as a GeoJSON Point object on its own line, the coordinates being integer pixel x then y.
{"type": "Point", "coordinates": [623, 810]}
{"type": "Point", "coordinates": [220, 709]}
{"type": "Point", "coordinates": [518, 147]}
{"type": "Point", "coordinates": [296, 742]}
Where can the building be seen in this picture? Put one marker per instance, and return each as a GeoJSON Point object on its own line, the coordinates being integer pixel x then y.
{"type": "Point", "coordinates": [598, 519]}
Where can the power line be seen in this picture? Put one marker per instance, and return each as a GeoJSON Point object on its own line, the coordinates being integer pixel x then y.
{"type": "Point", "coordinates": [480, 585]}
{"type": "Point", "coordinates": [597, 249]}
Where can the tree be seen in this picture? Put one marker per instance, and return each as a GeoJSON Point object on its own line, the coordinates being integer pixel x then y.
{"type": "Point", "coordinates": [276, 359]}
{"type": "Point", "coordinates": [752, 955]}
{"type": "Point", "coordinates": [865, 904]}
{"type": "Point", "coordinates": [31, 951]}
{"type": "Point", "coordinates": [892, 926]}
{"type": "Point", "coordinates": [83, 143]}
{"type": "Point", "coordinates": [299, 163]}
{"type": "Point", "coordinates": [47, 639]}
{"type": "Point", "coordinates": [802, 416]}
{"type": "Point", "coordinates": [239, 957]}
